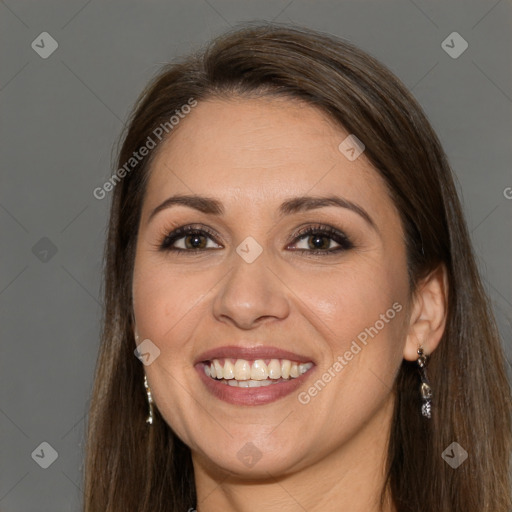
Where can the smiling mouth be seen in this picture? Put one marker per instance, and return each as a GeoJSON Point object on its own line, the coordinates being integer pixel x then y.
{"type": "Point", "coordinates": [244, 373]}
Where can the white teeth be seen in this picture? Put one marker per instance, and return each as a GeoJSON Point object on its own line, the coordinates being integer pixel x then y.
{"type": "Point", "coordinates": [304, 367]}
{"type": "Point", "coordinates": [218, 368]}
{"type": "Point", "coordinates": [255, 374]}
{"type": "Point", "coordinates": [242, 369]}
{"type": "Point", "coordinates": [249, 383]}
{"type": "Point", "coordinates": [259, 370]}
{"type": "Point", "coordinates": [285, 368]}
{"type": "Point", "coordinates": [229, 370]}
{"type": "Point", "coordinates": [274, 369]}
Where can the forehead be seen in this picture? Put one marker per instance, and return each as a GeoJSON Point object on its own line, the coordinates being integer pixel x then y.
{"type": "Point", "coordinates": [259, 151]}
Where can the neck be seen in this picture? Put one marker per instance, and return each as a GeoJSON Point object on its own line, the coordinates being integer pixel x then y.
{"type": "Point", "coordinates": [350, 478]}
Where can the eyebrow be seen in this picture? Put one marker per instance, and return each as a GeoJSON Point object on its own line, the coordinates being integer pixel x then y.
{"type": "Point", "coordinates": [212, 206]}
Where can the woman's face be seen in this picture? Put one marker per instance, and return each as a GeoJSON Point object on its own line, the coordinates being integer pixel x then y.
{"type": "Point", "coordinates": [273, 280]}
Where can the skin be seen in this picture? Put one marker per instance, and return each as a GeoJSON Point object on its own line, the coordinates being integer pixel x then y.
{"type": "Point", "coordinates": [251, 155]}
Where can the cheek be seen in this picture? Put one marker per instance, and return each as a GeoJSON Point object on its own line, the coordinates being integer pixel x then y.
{"type": "Point", "coordinates": [166, 306]}
{"type": "Point", "coordinates": [150, 297]}
{"type": "Point", "coordinates": [353, 297]}
{"type": "Point", "coordinates": [162, 298]}
{"type": "Point", "coordinates": [360, 311]}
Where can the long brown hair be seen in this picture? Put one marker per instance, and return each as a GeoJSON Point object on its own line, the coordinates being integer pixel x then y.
{"type": "Point", "coordinates": [130, 466]}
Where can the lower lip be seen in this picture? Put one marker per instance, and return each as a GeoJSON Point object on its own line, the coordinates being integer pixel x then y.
{"type": "Point", "coordinates": [250, 396]}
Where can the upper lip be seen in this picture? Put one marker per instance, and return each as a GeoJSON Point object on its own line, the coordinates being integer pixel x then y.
{"type": "Point", "coordinates": [250, 353]}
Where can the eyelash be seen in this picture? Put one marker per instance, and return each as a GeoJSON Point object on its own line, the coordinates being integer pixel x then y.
{"type": "Point", "coordinates": [326, 231]}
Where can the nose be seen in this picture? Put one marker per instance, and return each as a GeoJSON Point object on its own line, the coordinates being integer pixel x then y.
{"type": "Point", "coordinates": [251, 294]}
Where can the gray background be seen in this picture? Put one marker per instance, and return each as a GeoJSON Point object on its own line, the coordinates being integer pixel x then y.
{"type": "Point", "coordinates": [61, 116]}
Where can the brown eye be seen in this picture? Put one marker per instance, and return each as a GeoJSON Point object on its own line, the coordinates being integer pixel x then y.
{"type": "Point", "coordinates": [318, 240]}
{"type": "Point", "coordinates": [188, 238]}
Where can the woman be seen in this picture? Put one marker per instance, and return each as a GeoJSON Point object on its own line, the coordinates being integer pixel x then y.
{"type": "Point", "coordinates": [287, 258]}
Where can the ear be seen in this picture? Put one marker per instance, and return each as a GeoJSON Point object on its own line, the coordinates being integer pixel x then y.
{"type": "Point", "coordinates": [429, 312]}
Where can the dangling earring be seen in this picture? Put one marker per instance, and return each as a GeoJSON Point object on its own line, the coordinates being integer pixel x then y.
{"type": "Point", "coordinates": [425, 389]}
{"type": "Point", "coordinates": [149, 419]}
